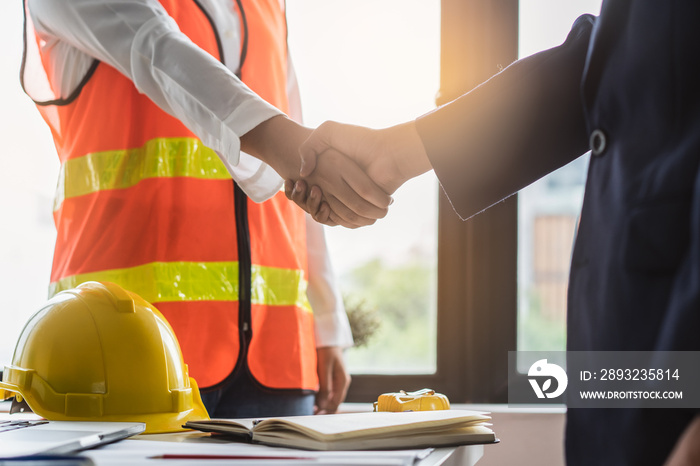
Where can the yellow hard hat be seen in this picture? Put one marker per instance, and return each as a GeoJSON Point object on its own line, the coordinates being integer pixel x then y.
{"type": "Point", "coordinates": [101, 353]}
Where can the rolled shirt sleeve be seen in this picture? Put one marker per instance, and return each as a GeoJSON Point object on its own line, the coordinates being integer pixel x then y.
{"type": "Point", "coordinates": [139, 39]}
{"type": "Point", "coordinates": [330, 320]}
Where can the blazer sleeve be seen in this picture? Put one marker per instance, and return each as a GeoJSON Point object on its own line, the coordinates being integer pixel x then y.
{"type": "Point", "coordinates": [521, 124]}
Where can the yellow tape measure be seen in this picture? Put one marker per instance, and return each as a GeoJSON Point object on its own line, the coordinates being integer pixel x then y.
{"type": "Point", "coordinates": [421, 400]}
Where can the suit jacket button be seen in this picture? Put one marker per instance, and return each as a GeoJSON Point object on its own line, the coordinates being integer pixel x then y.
{"type": "Point", "coordinates": [598, 142]}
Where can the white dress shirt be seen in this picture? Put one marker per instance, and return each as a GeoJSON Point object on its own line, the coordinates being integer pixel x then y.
{"type": "Point", "coordinates": [140, 40]}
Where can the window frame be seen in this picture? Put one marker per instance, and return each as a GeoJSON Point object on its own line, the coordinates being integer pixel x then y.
{"type": "Point", "coordinates": [477, 259]}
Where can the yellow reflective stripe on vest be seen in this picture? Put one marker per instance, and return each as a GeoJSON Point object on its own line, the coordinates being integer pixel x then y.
{"type": "Point", "coordinates": [119, 169]}
{"type": "Point", "coordinates": [200, 281]}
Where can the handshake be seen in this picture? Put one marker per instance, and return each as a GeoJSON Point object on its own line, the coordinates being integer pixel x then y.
{"type": "Point", "coordinates": [348, 173]}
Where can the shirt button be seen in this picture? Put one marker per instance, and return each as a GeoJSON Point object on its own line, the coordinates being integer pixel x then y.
{"type": "Point", "coordinates": [598, 142]}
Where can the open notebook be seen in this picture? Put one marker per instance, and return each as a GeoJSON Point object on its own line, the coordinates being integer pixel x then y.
{"type": "Point", "coordinates": [359, 431]}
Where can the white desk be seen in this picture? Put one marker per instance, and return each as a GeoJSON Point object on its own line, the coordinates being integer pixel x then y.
{"type": "Point", "coordinates": [142, 450]}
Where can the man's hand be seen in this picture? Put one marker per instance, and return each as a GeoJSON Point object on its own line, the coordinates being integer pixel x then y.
{"type": "Point", "coordinates": [389, 156]}
{"type": "Point", "coordinates": [309, 199]}
{"type": "Point", "coordinates": [371, 149]}
{"type": "Point", "coordinates": [333, 378]}
{"type": "Point", "coordinates": [354, 198]}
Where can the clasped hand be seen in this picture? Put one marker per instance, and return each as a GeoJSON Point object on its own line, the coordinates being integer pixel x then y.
{"type": "Point", "coordinates": [336, 192]}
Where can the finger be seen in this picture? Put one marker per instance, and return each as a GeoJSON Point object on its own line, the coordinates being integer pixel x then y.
{"type": "Point", "coordinates": [323, 215]}
{"type": "Point", "coordinates": [321, 405]}
{"type": "Point", "coordinates": [369, 191]}
{"type": "Point", "coordinates": [345, 216]}
{"type": "Point", "coordinates": [313, 202]}
{"type": "Point", "coordinates": [352, 187]}
{"type": "Point", "coordinates": [341, 382]}
{"type": "Point", "coordinates": [300, 194]}
{"type": "Point", "coordinates": [325, 381]}
{"type": "Point", "coordinates": [308, 163]}
{"type": "Point", "coordinates": [288, 188]}
{"type": "Point", "coordinates": [333, 217]}
{"type": "Point", "coordinates": [354, 206]}
{"type": "Point", "coordinates": [317, 142]}
{"type": "Point", "coordinates": [338, 220]}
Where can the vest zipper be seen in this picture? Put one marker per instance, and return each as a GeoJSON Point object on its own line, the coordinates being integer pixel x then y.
{"type": "Point", "coordinates": [244, 272]}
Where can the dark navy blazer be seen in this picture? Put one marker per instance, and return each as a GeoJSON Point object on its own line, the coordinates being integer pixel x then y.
{"type": "Point", "coordinates": [626, 85]}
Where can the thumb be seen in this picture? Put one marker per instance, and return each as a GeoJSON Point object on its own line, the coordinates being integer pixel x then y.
{"type": "Point", "coordinates": [317, 142]}
{"type": "Point", "coordinates": [308, 163]}
{"type": "Point", "coordinates": [325, 381]}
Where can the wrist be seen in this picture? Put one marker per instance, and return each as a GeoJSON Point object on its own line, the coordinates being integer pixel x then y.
{"type": "Point", "coordinates": [408, 152]}
{"type": "Point", "coordinates": [276, 142]}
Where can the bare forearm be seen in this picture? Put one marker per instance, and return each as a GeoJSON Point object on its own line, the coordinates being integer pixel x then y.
{"type": "Point", "coordinates": [276, 142]}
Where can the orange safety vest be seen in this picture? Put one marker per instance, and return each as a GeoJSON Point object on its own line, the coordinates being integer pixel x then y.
{"type": "Point", "coordinates": [143, 203]}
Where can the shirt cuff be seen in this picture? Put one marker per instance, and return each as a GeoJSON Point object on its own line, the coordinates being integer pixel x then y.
{"type": "Point", "coordinates": [332, 330]}
{"type": "Point", "coordinates": [256, 178]}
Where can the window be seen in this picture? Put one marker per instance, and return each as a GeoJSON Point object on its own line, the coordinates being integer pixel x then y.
{"type": "Point", "coordinates": [479, 261]}
{"type": "Point", "coordinates": [517, 252]}
{"type": "Point", "coordinates": [378, 65]}
{"type": "Point", "coordinates": [27, 181]}
{"type": "Point", "coordinates": [548, 210]}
